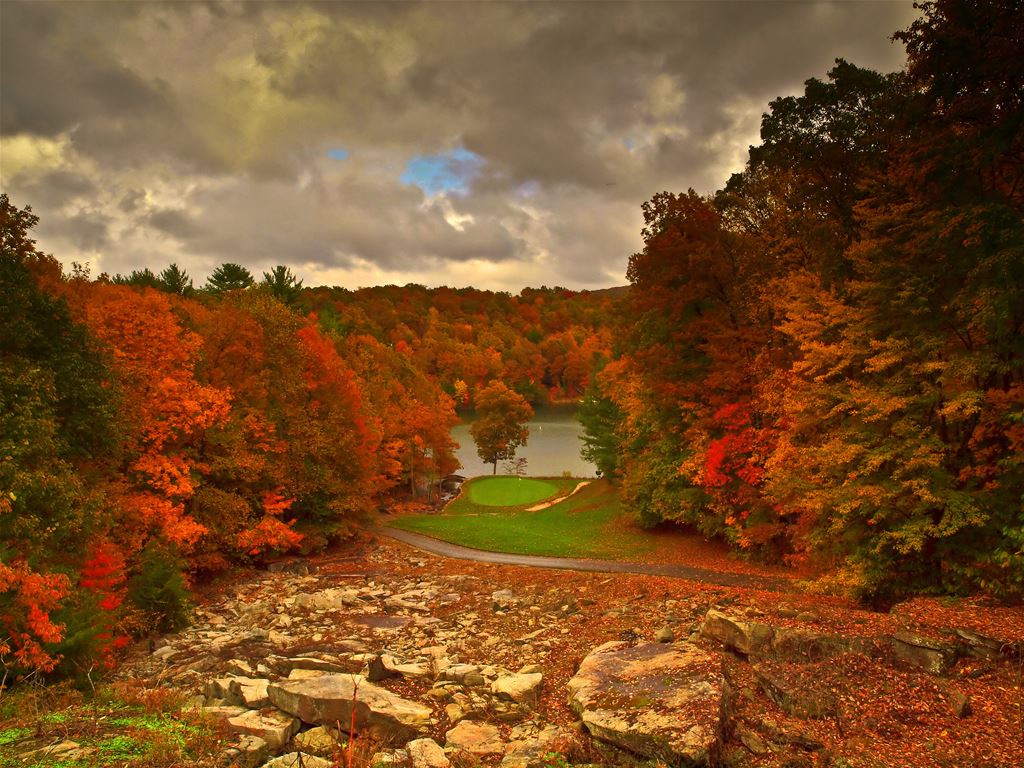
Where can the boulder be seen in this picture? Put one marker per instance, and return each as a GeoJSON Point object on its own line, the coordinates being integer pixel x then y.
{"type": "Point", "coordinates": [478, 739]}
{"type": "Point", "coordinates": [535, 751]}
{"type": "Point", "coordinates": [252, 692]}
{"type": "Point", "coordinates": [930, 655]}
{"type": "Point", "coordinates": [522, 689]}
{"type": "Point", "coordinates": [319, 741]}
{"type": "Point", "coordinates": [808, 645]}
{"type": "Point", "coordinates": [656, 700]}
{"type": "Point", "coordinates": [271, 725]}
{"type": "Point", "coordinates": [247, 752]}
{"type": "Point", "coordinates": [426, 753]}
{"type": "Point", "coordinates": [749, 638]}
{"type": "Point", "coordinates": [329, 699]}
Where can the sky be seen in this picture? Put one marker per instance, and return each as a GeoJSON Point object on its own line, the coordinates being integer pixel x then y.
{"type": "Point", "coordinates": [499, 145]}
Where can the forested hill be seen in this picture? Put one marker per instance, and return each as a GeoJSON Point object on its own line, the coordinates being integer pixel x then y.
{"type": "Point", "coordinates": [152, 431]}
{"type": "Point", "coordinates": [826, 362]}
{"type": "Point", "coordinates": [822, 362]}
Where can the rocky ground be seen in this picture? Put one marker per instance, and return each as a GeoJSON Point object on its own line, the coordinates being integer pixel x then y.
{"type": "Point", "coordinates": [435, 662]}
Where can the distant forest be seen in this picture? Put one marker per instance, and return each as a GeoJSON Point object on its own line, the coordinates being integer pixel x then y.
{"type": "Point", "coordinates": [821, 363]}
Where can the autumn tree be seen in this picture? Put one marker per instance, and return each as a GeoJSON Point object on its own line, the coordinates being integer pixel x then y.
{"type": "Point", "coordinates": [500, 427]}
{"type": "Point", "coordinates": [57, 417]}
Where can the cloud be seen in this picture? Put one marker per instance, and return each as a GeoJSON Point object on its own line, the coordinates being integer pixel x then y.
{"type": "Point", "coordinates": [453, 143]}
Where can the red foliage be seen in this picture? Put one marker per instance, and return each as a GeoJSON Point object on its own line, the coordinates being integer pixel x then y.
{"type": "Point", "coordinates": [27, 598]}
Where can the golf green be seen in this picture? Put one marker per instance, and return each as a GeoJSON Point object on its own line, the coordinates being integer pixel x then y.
{"type": "Point", "coordinates": [509, 491]}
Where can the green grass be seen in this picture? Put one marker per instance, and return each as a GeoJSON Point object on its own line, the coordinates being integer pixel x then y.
{"type": "Point", "coordinates": [584, 525]}
{"type": "Point", "coordinates": [119, 726]}
{"type": "Point", "coordinates": [507, 491]}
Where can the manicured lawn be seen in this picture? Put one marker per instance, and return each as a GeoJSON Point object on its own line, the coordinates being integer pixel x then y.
{"type": "Point", "coordinates": [509, 491]}
{"type": "Point", "coordinates": [586, 525]}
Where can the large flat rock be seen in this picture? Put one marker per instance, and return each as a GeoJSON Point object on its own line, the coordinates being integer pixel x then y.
{"type": "Point", "coordinates": [655, 700]}
{"type": "Point", "coordinates": [329, 699]}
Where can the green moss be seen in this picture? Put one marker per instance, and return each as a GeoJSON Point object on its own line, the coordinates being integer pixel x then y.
{"type": "Point", "coordinates": [11, 735]}
{"type": "Point", "coordinates": [121, 748]}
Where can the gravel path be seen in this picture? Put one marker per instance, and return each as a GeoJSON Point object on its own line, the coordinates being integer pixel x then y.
{"type": "Point", "coordinates": [438, 547]}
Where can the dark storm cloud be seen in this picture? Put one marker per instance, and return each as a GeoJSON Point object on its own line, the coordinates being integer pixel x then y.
{"type": "Point", "coordinates": [209, 124]}
{"type": "Point", "coordinates": [172, 222]}
{"type": "Point", "coordinates": [85, 230]}
{"type": "Point", "coordinates": [57, 187]}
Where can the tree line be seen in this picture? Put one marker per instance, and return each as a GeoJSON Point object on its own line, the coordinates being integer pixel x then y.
{"type": "Point", "coordinates": [152, 433]}
{"type": "Point", "coordinates": [825, 359]}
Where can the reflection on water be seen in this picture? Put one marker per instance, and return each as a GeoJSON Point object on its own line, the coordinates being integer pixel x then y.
{"type": "Point", "coordinates": [553, 447]}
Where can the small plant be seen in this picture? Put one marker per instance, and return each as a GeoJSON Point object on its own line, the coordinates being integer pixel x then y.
{"type": "Point", "coordinates": [159, 588]}
{"type": "Point", "coordinates": [11, 735]}
{"type": "Point", "coordinates": [122, 747]}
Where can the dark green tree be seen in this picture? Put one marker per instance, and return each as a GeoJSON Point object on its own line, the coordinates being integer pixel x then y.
{"type": "Point", "coordinates": [176, 280]}
{"type": "Point", "coordinates": [229, 277]}
{"type": "Point", "coordinates": [601, 419]}
{"type": "Point", "coordinates": [283, 284]}
{"type": "Point", "coordinates": [140, 278]}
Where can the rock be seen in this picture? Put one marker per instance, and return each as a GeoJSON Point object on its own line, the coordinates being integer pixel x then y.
{"type": "Point", "coordinates": [252, 692]}
{"type": "Point", "coordinates": [749, 638]}
{"type": "Point", "coordinates": [377, 669]}
{"type": "Point", "coordinates": [522, 689]}
{"type": "Point", "coordinates": [979, 646]}
{"type": "Point", "coordinates": [751, 740]}
{"type": "Point", "coordinates": [930, 655]}
{"type": "Point", "coordinates": [271, 725]}
{"type": "Point", "coordinates": [238, 668]}
{"type": "Point", "coordinates": [63, 752]}
{"type": "Point", "coordinates": [502, 599]}
{"type": "Point", "coordinates": [535, 751]}
{"type": "Point", "coordinates": [665, 635]}
{"type": "Point", "coordinates": [220, 688]}
{"type": "Point", "coordinates": [961, 704]}
{"type": "Point", "coordinates": [298, 760]}
{"type": "Point", "coordinates": [397, 757]}
{"type": "Point", "coordinates": [426, 753]}
{"type": "Point", "coordinates": [796, 701]}
{"type": "Point", "coordinates": [808, 645]}
{"type": "Point", "coordinates": [458, 673]}
{"type": "Point", "coordinates": [329, 699]}
{"type": "Point", "coordinates": [316, 664]}
{"type": "Point", "coordinates": [658, 701]}
{"type": "Point", "coordinates": [318, 741]}
{"type": "Point", "coordinates": [456, 711]}
{"type": "Point", "coordinates": [165, 653]}
{"type": "Point", "coordinates": [478, 739]}
{"type": "Point", "coordinates": [248, 752]}
{"type": "Point", "coordinates": [223, 713]}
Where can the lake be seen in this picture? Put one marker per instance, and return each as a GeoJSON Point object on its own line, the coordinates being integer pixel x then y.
{"type": "Point", "coordinates": [553, 447]}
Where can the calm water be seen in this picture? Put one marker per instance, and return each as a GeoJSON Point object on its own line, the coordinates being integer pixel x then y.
{"type": "Point", "coordinates": [553, 447]}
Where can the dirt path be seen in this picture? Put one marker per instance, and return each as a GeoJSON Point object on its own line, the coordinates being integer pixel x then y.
{"type": "Point", "coordinates": [438, 547]}
{"type": "Point", "coordinates": [545, 504]}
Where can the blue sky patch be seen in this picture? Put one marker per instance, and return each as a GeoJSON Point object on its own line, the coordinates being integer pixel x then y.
{"type": "Point", "coordinates": [450, 171]}
{"type": "Point", "coordinates": [337, 154]}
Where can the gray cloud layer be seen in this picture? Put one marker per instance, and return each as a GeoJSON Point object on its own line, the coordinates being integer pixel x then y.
{"type": "Point", "coordinates": [144, 133]}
